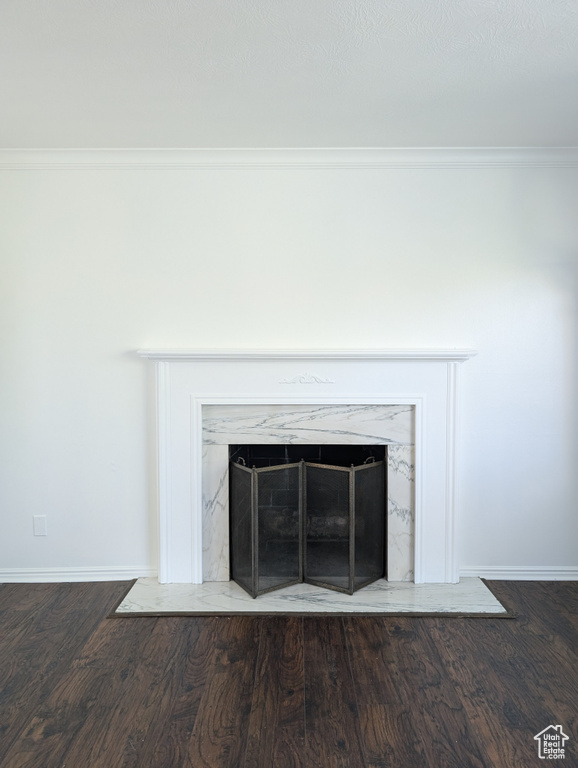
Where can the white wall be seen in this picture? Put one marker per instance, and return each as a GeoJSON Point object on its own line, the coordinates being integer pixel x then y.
{"type": "Point", "coordinates": [98, 263]}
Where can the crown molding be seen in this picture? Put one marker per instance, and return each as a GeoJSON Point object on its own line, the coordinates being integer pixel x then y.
{"type": "Point", "coordinates": [287, 159]}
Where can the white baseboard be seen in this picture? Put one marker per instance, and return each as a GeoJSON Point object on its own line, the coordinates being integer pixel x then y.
{"type": "Point", "coordinates": [521, 572]}
{"type": "Point", "coordinates": [46, 575]}
{"type": "Point", "coordinates": [127, 572]}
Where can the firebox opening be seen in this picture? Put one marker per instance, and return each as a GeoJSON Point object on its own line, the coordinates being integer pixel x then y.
{"type": "Point", "coordinates": [307, 513]}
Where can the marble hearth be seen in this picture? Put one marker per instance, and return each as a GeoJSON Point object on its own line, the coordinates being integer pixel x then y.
{"type": "Point", "coordinates": [406, 399]}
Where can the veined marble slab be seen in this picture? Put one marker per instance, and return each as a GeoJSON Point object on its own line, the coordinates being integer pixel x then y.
{"type": "Point", "coordinates": [469, 596]}
{"type": "Point", "coordinates": [340, 424]}
{"type": "Point", "coordinates": [391, 425]}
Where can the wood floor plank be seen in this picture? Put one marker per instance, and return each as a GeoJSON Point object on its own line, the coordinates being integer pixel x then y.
{"type": "Point", "coordinates": [102, 684]}
{"type": "Point", "coordinates": [333, 733]}
{"type": "Point", "coordinates": [505, 712]}
{"type": "Point", "coordinates": [142, 707]}
{"type": "Point", "coordinates": [551, 606]}
{"type": "Point", "coordinates": [181, 702]}
{"type": "Point", "coordinates": [374, 662]}
{"type": "Point", "coordinates": [59, 620]}
{"type": "Point", "coordinates": [386, 721]}
{"type": "Point", "coordinates": [219, 735]}
{"type": "Point", "coordinates": [74, 721]}
{"type": "Point", "coordinates": [147, 708]}
{"type": "Point", "coordinates": [562, 595]}
{"type": "Point", "coordinates": [276, 734]}
{"type": "Point", "coordinates": [30, 597]}
{"type": "Point", "coordinates": [541, 651]}
{"type": "Point", "coordinates": [440, 726]}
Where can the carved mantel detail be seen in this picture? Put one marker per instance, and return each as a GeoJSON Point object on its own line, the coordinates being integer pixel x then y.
{"type": "Point", "coordinates": [307, 378]}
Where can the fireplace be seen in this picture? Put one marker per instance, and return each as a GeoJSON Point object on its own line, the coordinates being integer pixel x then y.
{"type": "Point", "coordinates": [406, 400]}
{"type": "Point", "coordinates": [311, 514]}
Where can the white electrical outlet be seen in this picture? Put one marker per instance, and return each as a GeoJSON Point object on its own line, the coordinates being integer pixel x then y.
{"type": "Point", "coordinates": [40, 527]}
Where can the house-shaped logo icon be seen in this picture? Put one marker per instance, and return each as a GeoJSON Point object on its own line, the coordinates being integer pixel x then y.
{"type": "Point", "coordinates": [551, 743]}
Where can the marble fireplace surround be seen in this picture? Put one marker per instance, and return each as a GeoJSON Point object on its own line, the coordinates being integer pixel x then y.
{"type": "Point", "coordinates": [407, 399]}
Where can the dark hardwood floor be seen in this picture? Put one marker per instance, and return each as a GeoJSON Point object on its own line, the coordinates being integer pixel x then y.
{"type": "Point", "coordinates": [79, 690]}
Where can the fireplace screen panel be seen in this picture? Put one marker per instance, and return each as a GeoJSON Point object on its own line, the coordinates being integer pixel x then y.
{"type": "Point", "coordinates": [328, 524]}
{"type": "Point", "coordinates": [241, 527]}
{"type": "Point", "coordinates": [306, 521]}
{"type": "Point", "coordinates": [278, 505]}
{"type": "Point", "coordinates": [369, 530]}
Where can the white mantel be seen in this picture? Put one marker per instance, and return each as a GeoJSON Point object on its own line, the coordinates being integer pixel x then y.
{"type": "Point", "coordinates": [190, 380]}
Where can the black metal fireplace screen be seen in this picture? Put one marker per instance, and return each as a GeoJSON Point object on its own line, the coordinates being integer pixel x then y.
{"type": "Point", "coordinates": [318, 519]}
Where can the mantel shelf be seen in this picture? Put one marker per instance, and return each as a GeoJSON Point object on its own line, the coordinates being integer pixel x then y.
{"type": "Point", "coordinates": [201, 355]}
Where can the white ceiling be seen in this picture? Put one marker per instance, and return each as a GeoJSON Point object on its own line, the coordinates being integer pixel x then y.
{"type": "Point", "coordinates": [288, 73]}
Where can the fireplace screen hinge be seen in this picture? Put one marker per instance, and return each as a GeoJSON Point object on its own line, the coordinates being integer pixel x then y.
{"type": "Point", "coordinates": [307, 522]}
